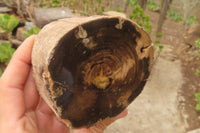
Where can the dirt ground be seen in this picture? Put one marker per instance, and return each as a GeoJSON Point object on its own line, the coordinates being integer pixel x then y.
{"type": "Point", "coordinates": [167, 103]}
{"type": "Point", "coordinates": [155, 110]}
{"type": "Point", "coordinates": [173, 36]}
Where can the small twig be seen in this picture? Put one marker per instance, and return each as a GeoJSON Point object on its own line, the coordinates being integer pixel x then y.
{"type": "Point", "coordinates": [63, 3]}
{"type": "Point", "coordinates": [30, 15]}
{"type": "Point", "coordinates": [19, 11]}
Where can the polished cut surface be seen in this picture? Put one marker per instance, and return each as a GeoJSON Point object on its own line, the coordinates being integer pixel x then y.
{"type": "Point", "coordinates": [91, 68]}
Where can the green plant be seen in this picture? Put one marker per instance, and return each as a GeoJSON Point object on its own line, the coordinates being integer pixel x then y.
{"type": "Point", "coordinates": [140, 18]}
{"type": "Point", "coordinates": [197, 43]}
{"type": "Point", "coordinates": [190, 20]}
{"type": "Point", "coordinates": [152, 5]}
{"type": "Point", "coordinates": [33, 30]}
{"type": "Point", "coordinates": [158, 45]}
{"type": "Point", "coordinates": [197, 72]}
{"type": "Point", "coordinates": [133, 2]}
{"type": "Point", "coordinates": [53, 3]}
{"type": "Point", "coordinates": [8, 23]}
{"type": "Point", "coordinates": [93, 7]}
{"type": "Point", "coordinates": [6, 52]}
{"type": "Point", "coordinates": [1, 72]}
{"type": "Point", "coordinates": [118, 10]}
{"type": "Point", "coordinates": [72, 1]}
{"type": "Point", "coordinates": [159, 35]}
{"type": "Point", "coordinates": [157, 42]}
{"type": "Point", "coordinates": [103, 8]}
{"type": "Point", "coordinates": [197, 98]}
{"type": "Point", "coordinates": [173, 15]}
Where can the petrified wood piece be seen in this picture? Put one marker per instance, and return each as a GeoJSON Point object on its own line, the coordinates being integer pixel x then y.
{"type": "Point", "coordinates": [91, 68]}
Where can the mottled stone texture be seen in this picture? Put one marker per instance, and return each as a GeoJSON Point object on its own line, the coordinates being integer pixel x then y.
{"type": "Point", "coordinates": [90, 68]}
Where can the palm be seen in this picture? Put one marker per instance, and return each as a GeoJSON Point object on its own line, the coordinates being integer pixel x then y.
{"type": "Point", "coordinates": [38, 115]}
{"type": "Point", "coordinates": [40, 118]}
{"type": "Point", "coordinates": [22, 110]}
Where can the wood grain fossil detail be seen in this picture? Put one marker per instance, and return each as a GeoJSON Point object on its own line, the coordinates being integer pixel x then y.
{"type": "Point", "coordinates": [90, 68]}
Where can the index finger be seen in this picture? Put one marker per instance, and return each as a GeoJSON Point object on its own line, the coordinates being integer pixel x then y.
{"type": "Point", "coordinates": [18, 69]}
{"type": "Point", "coordinates": [13, 80]}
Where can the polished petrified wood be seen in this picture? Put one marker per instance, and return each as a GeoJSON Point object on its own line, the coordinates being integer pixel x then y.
{"type": "Point", "coordinates": [91, 68]}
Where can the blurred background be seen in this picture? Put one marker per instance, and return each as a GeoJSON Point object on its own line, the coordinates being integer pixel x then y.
{"type": "Point", "coordinates": [170, 102]}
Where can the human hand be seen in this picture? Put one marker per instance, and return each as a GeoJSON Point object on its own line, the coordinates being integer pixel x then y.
{"type": "Point", "coordinates": [22, 110]}
{"type": "Point", "coordinates": [101, 126]}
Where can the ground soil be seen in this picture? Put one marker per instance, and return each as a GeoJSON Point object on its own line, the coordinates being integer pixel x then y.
{"type": "Point", "coordinates": [173, 36]}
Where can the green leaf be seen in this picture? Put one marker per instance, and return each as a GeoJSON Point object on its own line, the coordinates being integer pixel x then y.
{"type": "Point", "coordinates": [6, 16]}
{"type": "Point", "coordinates": [133, 2]}
{"type": "Point", "coordinates": [198, 107]}
{"type": "Point", "coordinates": [1, 72]}
{"type": "Point", "coordinates": [33, 30]}
{"type": "Point", "coordinates": [140, 18]}
{"type": "Point", "coordinates": [190, 20]}
{"type": "Point", "coordinates": [6, 52]}
{"type": "Point", "coordinates": [118, 10]}
{"type": "Point", "coordinates": [158, 45]}
{"type": "Point", "coordinates": [161, 47]}
{"type": "Point", "coordinates": [1, 19]}
{"type": "Point", "coordinates": [2, 30]}
{"type": "Point", "coordinates": [197, 97]}
{"type": "Point", "coordinates": [5, 19]}
{"type": "Point", "coordinates": [55, 5]}
{"type": "Point", "coordinates": [99, 1]}
{"type": "Point", "coordinates": [159, 34]}
{"type": "Point", "coordinates": [3, 53]}
{"type": "Point", "coordinates": [12, 23]}
{"type": "Point", "coordinates": [6, 45]}
{"type": "Point", "coordinates": [8, 23]}
{"type": "Point", "coordinates": [148, 27]}
{"type": "Point", "coordinates": [197, 73]}
{"type": "Point", "coordinates": [173, 15]}
{"type": "Point", "coordinates": [157, 42]}
{"type": "Point", "coordinates": [197, 43]}
{"type": "Point", "coordinates": [152, 5]}
{"type": "Point", "coordinates": [103, 8]}
{"type": "Point", "coordinates": [72, 1]}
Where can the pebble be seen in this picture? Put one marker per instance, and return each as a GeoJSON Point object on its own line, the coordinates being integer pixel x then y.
{"type": "Point", "coordinates": [29, 25]}
{"type": "Point", "coordinates": [44, 16]}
